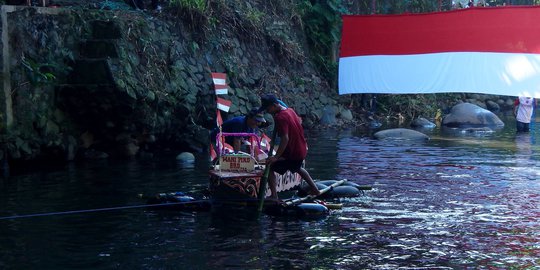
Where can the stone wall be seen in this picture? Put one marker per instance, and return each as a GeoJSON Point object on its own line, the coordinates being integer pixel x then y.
{"type": "Point", "coordinates": [127, 82]}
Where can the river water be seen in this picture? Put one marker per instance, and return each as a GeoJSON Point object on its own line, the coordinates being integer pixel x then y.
{"type": "Point", "coordinates": [458, 201]}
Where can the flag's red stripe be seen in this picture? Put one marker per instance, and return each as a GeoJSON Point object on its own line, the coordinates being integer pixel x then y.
{"type": "Point", "coordinates": [222, 76]}
{"type": "Point", "coordinates": [513, 29]}
{"type": "Point", "coordinates": [224, 102]}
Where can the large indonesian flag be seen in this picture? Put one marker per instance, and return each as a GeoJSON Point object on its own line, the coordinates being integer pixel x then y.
{"type": "Point", "coordinates": [478, 50]}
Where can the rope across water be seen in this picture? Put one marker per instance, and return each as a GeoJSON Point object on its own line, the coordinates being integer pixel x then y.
{"type": "Point", "coordinates": [98, 210]}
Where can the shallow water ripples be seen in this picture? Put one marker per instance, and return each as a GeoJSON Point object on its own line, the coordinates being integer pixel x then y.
{"type": "Point", "coordinates": [437, 207]}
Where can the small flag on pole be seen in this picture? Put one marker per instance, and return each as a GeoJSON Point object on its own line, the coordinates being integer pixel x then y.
{"type": "Point", "coordinates": [223, 104]}
{"type": "Point", "coordinates": [265, 142]}
{"type": "Point", "coordinates": [223, 147]}
{"type": "Point", "coordinates": [220, 83]}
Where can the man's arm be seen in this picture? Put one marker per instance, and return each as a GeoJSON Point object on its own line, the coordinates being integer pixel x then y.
{"type": "Point", "coordinates": [284, 141]}
{"type": "Point", "coordinates": [282, 146]}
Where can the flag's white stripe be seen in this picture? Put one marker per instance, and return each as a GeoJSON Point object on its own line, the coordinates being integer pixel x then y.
{"type": "Point", "coordinates": [218, 81]}
{"type": "Point", "coordinates": [220, 87]}
{"type": "Point", "coordinates": [222, 91]}
{"type": "Point", "coordinates": [223, 107]}
{"type": "Point", "coordinates": [512, 74]}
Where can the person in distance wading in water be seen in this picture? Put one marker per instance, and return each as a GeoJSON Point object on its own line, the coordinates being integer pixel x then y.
{"type": "Point", "coordinates": [523, 110]}
{"type": "Point", "coordinates": [292, 148]}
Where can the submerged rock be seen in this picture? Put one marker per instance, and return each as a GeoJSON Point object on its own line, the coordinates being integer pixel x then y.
{"type": "Point", "coordinates": [480, 130]}
{"type": "Point", "coordinates": [421, 122]}
{"type": "Point", "coordinates": [401, 134]}
{"type": "Point", "coordinates": [185, 157]}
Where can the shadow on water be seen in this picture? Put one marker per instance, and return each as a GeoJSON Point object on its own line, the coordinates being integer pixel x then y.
{"type": "Point", "coordinates": [457, 201]}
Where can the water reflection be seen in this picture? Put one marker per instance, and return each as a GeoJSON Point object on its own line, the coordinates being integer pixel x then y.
{"type": "Point", "coordinates": [445, 206]}
{"type": "Point", "coordinates": [523, 145]}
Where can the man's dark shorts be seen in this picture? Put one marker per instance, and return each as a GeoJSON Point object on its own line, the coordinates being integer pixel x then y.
{"type": "Point", "coordinates": [522, 127]}
{"type": "Point", "coordinates": [284, 165]}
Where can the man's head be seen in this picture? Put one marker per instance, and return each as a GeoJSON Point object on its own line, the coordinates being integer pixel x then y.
{"type": "Point", "coordinates": [255, 118]}
{"type": "Point", "coordinates": [269, 103]}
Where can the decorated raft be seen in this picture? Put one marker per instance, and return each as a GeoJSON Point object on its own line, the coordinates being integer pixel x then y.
{"type": "Point", "coordinates": [236, 179]}
{"type": "Point", "coordinates": [298, 205]}
{"type": "Point", "coordinates": [239, 178]}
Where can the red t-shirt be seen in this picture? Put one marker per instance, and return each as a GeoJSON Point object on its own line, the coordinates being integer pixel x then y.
{"type": "Point", "coordinates": [287, 122]}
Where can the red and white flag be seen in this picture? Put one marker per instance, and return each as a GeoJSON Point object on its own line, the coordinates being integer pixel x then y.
{"type": "Point", "coordinates": [265, 142]}
{"type": "Point", "coordinates": [220, 83]}
{"type": "Point", "coordinates": [492, 50]}
{"type": "Point", "coordinates": [224, 148]}
{"type": "Point", "coordinates": [257, 150]}
{"type": "Point", "coordinates": [223, 104]}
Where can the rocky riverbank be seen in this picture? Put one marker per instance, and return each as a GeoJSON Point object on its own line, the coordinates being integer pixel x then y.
{"type": "Point", "coordinates": [95, 83]}
{"type": "Point", "coordinates": [104, 80]}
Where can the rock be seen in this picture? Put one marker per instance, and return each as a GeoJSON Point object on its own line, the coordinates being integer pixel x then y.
{"type": "Point", "coordinates": [87, 139]}
{"type": "Point", "coordinates": [493, 106]}
{"type": "Point", "coordinates": [94, 154]}
{"type": "Point", "coordinates": [509, 103]}
{"type": "Point", "coordinates": [470, 115]}
{"type": "Point", "coordinates": [346, 114]}
{"type": "Point", "coordinates": [328, 116]}
{"type": "Point", "coordinates": [374, 124]}
{"type": "Point", "coordinates": [52, 128]}
{"type": "Point", "coordinates": [401, 134]}
{"type": "Point", "coordinates": [307, 122]}
{"type": "Point", "coordinates": [131, 149]}
{"type": "Point", "coordinates": [421, 122]}
{"type": "Point", "coordinates": [185, 157]}
{"type": "Point", "coordinates": [150, 96]}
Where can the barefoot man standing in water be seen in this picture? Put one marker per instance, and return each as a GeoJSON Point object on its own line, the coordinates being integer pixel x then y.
{"type": "Point", "coordinates": [292, 148]}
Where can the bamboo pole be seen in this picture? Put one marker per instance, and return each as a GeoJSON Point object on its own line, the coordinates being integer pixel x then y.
{"type": "Point", "coordinates": [311, 197]}
{"type": "Point", "coordinates": [6, 78]}
{"type": "Point", "coordinates": [264, 178]}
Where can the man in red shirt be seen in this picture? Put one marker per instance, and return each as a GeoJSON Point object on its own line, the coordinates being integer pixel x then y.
{"type": "Point", "coordinates": [292, 148]}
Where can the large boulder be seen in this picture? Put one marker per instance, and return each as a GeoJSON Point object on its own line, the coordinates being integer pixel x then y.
{"type": "Point", "coordinates": [469, 115]}
{"type": "Point", "coordinates": [401, 134]}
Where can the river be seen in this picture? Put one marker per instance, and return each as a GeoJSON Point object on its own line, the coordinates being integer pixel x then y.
{"type": "Point", "coordinates": [458, 201]}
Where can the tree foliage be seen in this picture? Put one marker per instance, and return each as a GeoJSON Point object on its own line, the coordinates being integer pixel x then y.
{"type": "Point", "coordinates": [322, 26]}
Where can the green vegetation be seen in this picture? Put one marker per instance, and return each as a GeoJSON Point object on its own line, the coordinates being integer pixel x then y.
{"type": "Point", "coordinates": [413, 106]}
{"type": "Point", "coordinates": [193, 12]}
{"type": "Point", "coordinates": [322, 26]}
{"type": "Point", "coordinates": [191, 5]}
{"type": "Point", "coordinates": [38, 73]}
